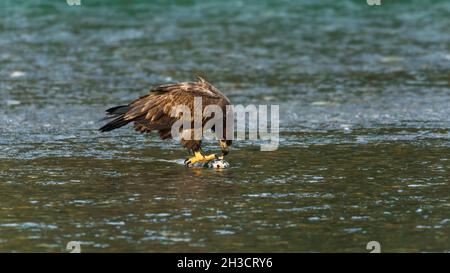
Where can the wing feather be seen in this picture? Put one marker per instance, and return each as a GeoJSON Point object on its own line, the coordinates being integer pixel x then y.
{"type": "Point", "coordinates": [153, 110]}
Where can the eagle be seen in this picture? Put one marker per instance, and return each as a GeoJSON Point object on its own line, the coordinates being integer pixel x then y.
{"type": "Point", "coordinates": [154, 112]}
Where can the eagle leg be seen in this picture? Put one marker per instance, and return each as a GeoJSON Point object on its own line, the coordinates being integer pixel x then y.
{"type": "Point", "coordinates": [199, 157]}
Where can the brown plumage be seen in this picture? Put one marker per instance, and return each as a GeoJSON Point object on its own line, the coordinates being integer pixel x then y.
{"type": "Point", "coordinates": [152, 112]}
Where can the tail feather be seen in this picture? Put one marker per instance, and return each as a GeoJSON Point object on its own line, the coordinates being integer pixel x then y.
{"type": "Point", "coordinates": [118, 110]}
{"type": "Point", "coordinates": [117, 114]}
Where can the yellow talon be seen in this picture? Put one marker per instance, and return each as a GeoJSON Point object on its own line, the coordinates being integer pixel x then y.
{"type": "Point", "coordinates": [198, 157]}
{"type": "Point", "coordinates": [210, 157]}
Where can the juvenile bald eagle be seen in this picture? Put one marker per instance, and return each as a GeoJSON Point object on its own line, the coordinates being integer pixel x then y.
{"type": "Point", "coordinates": [153, 112]}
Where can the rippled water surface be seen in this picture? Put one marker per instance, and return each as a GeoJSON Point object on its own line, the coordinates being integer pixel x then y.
{"type": "Point", "coordinates": [364, 95]}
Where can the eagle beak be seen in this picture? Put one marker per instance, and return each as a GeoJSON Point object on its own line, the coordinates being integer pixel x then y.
{"type": "Point", "coordinates": [224, 147]}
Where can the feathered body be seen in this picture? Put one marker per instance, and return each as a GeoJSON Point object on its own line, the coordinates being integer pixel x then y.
{"type": "Point", "coordinates": [152, 112]}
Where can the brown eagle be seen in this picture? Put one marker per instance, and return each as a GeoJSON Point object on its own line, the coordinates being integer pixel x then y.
{"type": "Point", "coordinates": [153, 112]}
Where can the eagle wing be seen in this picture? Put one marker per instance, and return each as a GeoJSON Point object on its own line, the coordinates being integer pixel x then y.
{"type": "Point", "coordinates": [154, 110]}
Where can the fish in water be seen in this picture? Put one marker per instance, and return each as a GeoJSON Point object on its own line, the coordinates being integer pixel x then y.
{"type": "Point", "coordinates": [218, 163]}
{"type": "Point", "coordinates": [153, 112]}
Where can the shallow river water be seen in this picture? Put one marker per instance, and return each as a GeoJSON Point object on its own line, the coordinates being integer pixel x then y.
{"type": "Point", "coordinates": [364, 154]}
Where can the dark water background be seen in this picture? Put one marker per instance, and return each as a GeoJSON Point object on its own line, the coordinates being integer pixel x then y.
{"type": "Point", "coordinates": [364, 95]}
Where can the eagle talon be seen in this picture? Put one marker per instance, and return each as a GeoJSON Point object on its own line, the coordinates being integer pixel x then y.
{"type": "Point", "coordinates": [198, 157]}
{"type": "Point", "coordinates": [187, 162]}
